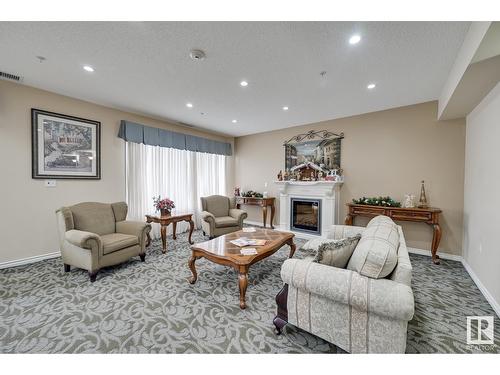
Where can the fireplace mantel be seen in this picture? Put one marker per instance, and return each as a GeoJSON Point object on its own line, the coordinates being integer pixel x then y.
{"type": "Point", "coordinates": [327, 191]}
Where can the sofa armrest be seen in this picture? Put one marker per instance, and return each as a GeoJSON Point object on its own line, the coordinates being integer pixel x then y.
{"type": "Point", "coordinates": [85, 240]}
{"type": "Point", "coordinates": [383, 297]}
{"type": "Point", "coordinates": [338, 232]}
{"type": "Point", "coordinates": [208, 218]}
{"type": "Point", "coordinates": [134, 228]}
{"type": "Point", "coordinates": [238, 214]}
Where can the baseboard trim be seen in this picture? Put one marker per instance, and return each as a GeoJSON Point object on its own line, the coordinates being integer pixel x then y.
{"type": "Point", "coordinates": [493, 303]}
{"type": "Point", "coordinates": [418, 251]}
{"type": "Point", "coordinates": [29, 260]}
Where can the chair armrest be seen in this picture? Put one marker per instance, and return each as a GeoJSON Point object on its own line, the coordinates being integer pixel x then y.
{"type": "Point", "coordinates": [208, 217]}
{"type": "Point", "coordinates": [85, 240]}
{"type": "Point", "coordinates": [337, 232]}
{"type": "Point", "coordinates": [383, 297]}
{"type": "Point", "coordinates": [133, 228]}
{"type": "Point", "coordinates": [238, 214]}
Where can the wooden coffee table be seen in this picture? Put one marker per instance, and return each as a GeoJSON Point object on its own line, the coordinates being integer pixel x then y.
{"type": "Point", "coordinates": [165, 221]}
{"type": "Point", "coordinates": [221, 251]}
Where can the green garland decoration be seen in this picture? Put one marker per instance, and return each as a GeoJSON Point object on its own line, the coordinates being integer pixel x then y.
{"type": "Point", "coordinates": [377, 201]}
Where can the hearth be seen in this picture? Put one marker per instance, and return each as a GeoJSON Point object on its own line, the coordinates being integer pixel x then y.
{"type": "Point", "coordinates": [305, 215]}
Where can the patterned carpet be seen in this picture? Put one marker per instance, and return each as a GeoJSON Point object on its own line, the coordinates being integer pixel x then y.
{"type": "Point", "coordinates": [151, 308]}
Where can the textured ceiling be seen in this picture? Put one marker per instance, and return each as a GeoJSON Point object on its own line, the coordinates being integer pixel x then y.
{"type": "Point", "coordinates": [145, 67]}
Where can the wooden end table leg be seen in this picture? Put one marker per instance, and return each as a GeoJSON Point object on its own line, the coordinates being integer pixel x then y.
{"type": "Point", "coordinates": [192, 267]}
{"type": "Point", "coordinates": [272, 216]}
{"type": "Point", "coordinates": [243, 283]}
{"type": "Point", "coordinates": [292, 247]}
{"type": "Point", "coordinates": [281, 318]}
{"type": "Point", "coordinates": [163, 231]}
{"type": "Point", "coordinates": [191, 229]}
{"type": "Point", "coordinates": [174, 228]}
{"type": "Point", "coordinates": [348, 219]}
{"type": "Point", "coordinates": [436, 238]}
{"type": "Point", "coordinates": [264, 215]}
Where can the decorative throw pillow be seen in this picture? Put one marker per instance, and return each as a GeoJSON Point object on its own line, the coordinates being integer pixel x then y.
{"type": "Point", "coordinates": [336, 253]}
{"type": "Point", "coordinates": [376, 255]}
{"type": "Point", "coordinates": [315, 243]}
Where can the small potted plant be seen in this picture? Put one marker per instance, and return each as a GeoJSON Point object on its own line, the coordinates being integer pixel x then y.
{"type": "Point", "coordinates": [165, 206]}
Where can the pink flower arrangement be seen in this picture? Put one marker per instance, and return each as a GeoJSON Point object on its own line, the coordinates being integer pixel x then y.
{"type": "Point", "coordinates": [163, 204]}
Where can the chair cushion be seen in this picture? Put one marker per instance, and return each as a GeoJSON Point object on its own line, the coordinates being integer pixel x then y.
{"type": "Point", "coordinates": [117, 241]}
{"type": "Point", "coordinates": [376, 255]}
{"type": "Point", "coordinates": [336, 253]}
{"type": "Point", "coordinates": [226, 221]}
{"type": "Point", "coordinates": [217, 205]}
{"type": "Point", "coordinates": [93, 217]}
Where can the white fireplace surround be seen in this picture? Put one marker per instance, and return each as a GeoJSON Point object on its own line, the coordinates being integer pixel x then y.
{"type": "Point", "coordinates": [327, 191]}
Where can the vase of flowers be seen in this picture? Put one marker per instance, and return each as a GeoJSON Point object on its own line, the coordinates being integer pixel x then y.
{"type": "Point", "coordinates": [165, 205]}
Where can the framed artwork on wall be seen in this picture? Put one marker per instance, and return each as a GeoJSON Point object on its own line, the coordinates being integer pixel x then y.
{"type": "Point", "coordinates": [64, 147]}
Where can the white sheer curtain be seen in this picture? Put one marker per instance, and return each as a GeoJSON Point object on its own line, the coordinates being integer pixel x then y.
{"type": "Point", "coordinates": [183, 176]}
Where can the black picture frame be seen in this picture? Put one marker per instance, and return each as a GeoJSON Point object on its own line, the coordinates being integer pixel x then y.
{"type": "Point", "coordinates": [89, 168]}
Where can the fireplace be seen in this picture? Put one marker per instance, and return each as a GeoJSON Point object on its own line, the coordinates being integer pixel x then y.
{"type": "Point", "coordinates": [305, 215]}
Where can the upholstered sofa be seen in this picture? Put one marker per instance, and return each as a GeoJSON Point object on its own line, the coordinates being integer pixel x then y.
{"type": "Point", "coordinates": [357, 313]}
{"type": "Point", "coordinates": [220, 216]}
{"type": "Point", "coordinates": [94, 235]}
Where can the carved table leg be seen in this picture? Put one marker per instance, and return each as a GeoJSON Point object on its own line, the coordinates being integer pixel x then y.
{"type": "Point", "coordinates": [174, 228]}
{"type": "Point", "coordinates": [436, 238]}
{"type": "Point", "coordinates": [281, 318]}
{"type": "Point", "coordinates": [163, 231]}
{"type": "Point", "coordinates": [192, 267]}
{"type": "Point", "coordinates": [348, 219]}
{"type": "Point", "coordinates": [292, 247]}
{"type": "Point", "coordinates": [264, 215]}
{"type": "Point", "coordinates": [272, 216]}
{"type": "Point", "coordinates": [243, 283]}
{"type": "Point", "coordinates": [191, 229]}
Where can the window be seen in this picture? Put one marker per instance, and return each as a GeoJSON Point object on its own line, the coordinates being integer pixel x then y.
{"type": "Point", "coordinates": [183, 176]}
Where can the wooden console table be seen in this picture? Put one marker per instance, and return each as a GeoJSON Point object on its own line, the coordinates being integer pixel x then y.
{"type": "Point", "coordinates": [428, 215]}
{"type": "Point", "coordinates": [262, 202]}
{"type": "Point", "coordinates": [164, 221]}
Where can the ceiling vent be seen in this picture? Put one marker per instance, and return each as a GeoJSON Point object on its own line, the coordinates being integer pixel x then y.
{"type": "Point", "coordinates": [10, 77]}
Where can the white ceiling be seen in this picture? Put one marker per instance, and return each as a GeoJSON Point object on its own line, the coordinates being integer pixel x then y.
{"type": "Point", "coordinates": [145, 67]}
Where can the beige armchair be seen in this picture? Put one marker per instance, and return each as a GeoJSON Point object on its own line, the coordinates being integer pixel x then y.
{"type": "Point", "coordinates": [95, 235]}
{"type": "Point", "coordinates": [220, 216]}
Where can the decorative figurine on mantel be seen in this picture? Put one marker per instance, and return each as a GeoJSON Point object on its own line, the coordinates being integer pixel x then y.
{"type": "Point", "coordinates": [422, 203]}
{"type": "Point", "coordinates": [280, 176]}
{"type": "Point", "coordinates": [237, 192]}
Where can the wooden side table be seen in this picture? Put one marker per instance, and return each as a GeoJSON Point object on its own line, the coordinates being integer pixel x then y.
{"type": "Point", "coordinates": [164, 221]}
{"type": "Point", "coordinates": [262, 202]}
{"type": "Point", "coordinates": [428, 216]}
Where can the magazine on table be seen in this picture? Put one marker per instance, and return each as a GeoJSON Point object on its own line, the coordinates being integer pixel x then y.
{"type": "Point", "coordinates": [244, 241]}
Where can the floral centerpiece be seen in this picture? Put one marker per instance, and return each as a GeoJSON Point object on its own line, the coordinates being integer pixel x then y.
{"type": "Point", "coordinates": [165, 206]}
{"type": "Point", "coordinates": [377, 201]}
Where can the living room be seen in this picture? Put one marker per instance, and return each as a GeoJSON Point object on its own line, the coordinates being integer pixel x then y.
{"type": "Point", "coordinates": [249, 187]}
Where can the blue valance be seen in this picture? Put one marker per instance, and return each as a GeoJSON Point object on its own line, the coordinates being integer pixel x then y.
{"type": "Point", "coordinates": [137, 133]}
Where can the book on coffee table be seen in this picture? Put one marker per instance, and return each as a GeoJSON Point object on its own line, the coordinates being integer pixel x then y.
{"type": "Point", "coordinates": [248, 251]}
{"type": "Point", "coordinates": [244, 241]}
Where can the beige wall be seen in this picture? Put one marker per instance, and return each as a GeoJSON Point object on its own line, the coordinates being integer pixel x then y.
{"type": "Point", "coordinates": [383, 153]}
{"type": "Point", "coordinates": [482, 183]}
{"type": "Point", "coordinates": [27, 219]}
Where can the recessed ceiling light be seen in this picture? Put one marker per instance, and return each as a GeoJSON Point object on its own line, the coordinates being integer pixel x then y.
{"type": "Point", "coordinates": [189, 105]}
{"type": "Point", "coordinates": [285, 108]}
{"type": "Point", "coordinates": [234, 121]}
{"type": "Point", "coordinates": [371, 86]}
{"type": "Point", "coordinates": [88, 68]}
{"type": "Point", "coordinates": [244, 83]}
{"type": "Point", "coordinates": [355, 39]}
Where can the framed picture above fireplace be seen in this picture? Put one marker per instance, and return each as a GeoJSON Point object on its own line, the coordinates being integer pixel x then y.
{"type": "Point", "coordinates": [321, 149]}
